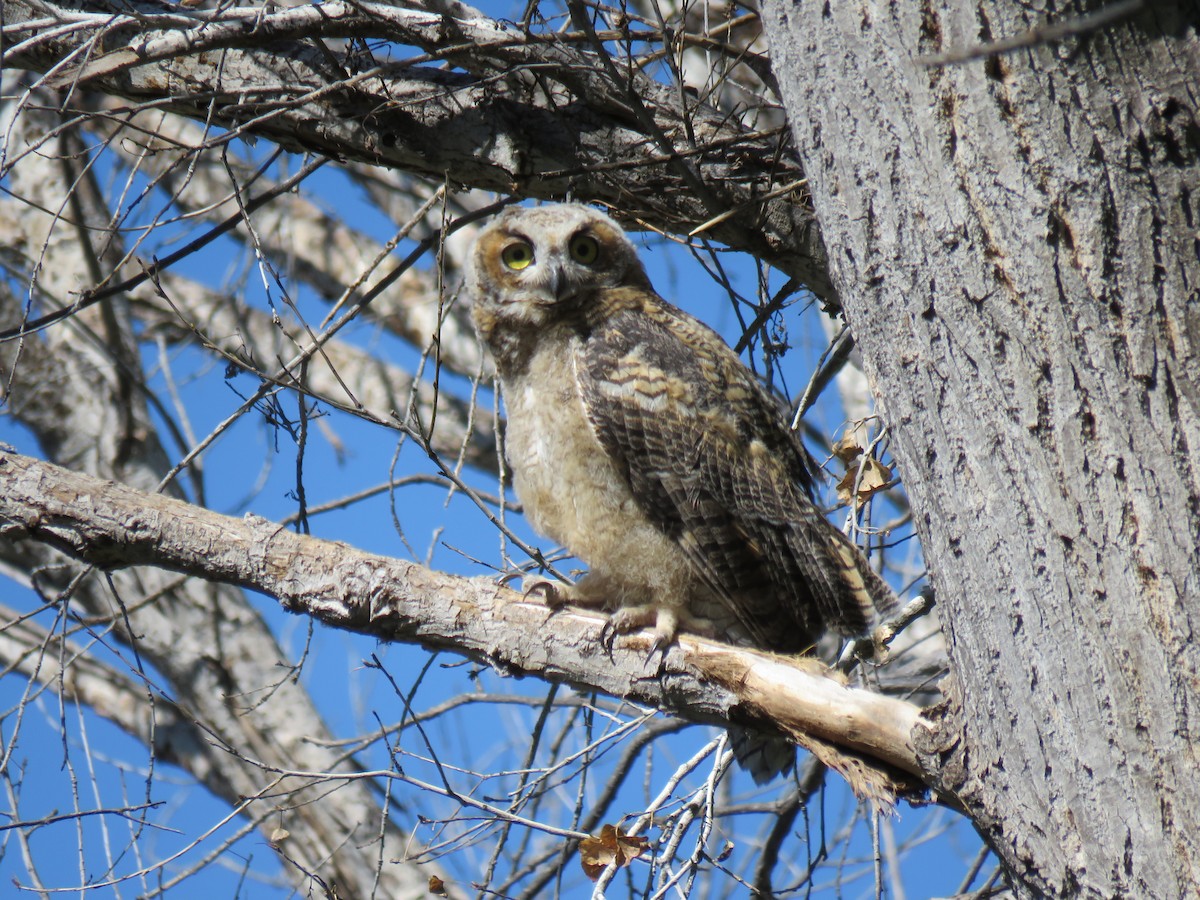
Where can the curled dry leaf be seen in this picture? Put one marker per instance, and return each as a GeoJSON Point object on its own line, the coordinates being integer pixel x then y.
{"type": "Point", "coordinates": [847, 450]}
{"type": "Point", "coordinates": [874, 476]}
{"type": "Point", "coordinates": [437, 887]}
{"type": "Point", "coordinates": [613, 846]}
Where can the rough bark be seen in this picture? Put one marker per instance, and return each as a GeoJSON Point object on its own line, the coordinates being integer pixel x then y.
{"type": "Point", "coordinates": [1014, 238]}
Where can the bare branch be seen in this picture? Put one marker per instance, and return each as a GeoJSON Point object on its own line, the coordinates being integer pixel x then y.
{"type": "Point", "coordinates": [560, 119]}
{"type": "Point", "coordinates": [343, 376]}
{"type": "Point", "coordinates": [114, 526]}
{"type": "Point", "coordinates": [81, 393]}
{"type": "Point", "coordinates": [67, 668]}
{"type": "Point", "coordinates": [318, 248]}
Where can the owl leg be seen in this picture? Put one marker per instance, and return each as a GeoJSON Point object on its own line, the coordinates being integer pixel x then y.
{"type": "Point", "coordinates": [595, 591]}
{"type": "Point", "coordinates": [599, 591]}
{"type": "Point", "coordinates": [663, 619]}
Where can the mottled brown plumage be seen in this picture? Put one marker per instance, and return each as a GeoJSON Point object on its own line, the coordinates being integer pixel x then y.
{"type": "Point", "coordinates": [639, 441]}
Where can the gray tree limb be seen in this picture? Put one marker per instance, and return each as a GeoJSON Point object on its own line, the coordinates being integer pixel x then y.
{"type": "Point", "coordinates": [114, 526]}
{"type": "Point", "coordinates": [79, 388]}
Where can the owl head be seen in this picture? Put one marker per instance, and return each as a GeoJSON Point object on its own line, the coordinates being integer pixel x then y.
{"type": "Point", "coordinates": [531, 266]}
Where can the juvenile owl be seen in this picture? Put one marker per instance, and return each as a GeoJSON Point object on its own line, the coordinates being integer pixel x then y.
{"type": "Point", "coordinates": [639, 441]}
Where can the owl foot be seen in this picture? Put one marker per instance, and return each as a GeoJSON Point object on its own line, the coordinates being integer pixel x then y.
{"type": "Point", "coordinates": [631, 618]}
{"type": "Point", "coordinates": [555, 596]}
{"type": "Point", "coordinates": [665, 623]}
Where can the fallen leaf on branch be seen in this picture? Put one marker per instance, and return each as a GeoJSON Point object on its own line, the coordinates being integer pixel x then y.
{"type": "Point", "coordinates": [847, 450]}
{"type": "Point", "coordinates": [874, 476]}
{"type": "Point", "coordinates": [613, 846]}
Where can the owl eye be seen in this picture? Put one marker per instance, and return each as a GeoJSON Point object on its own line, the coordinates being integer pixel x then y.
{"type": "Point", "coordinates": [584, 249]}
{"type": "Point", "coordinates": [517, 255]}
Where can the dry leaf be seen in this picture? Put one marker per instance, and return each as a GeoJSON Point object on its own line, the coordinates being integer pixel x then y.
{"type": "Point", "coordinates": [875, 476]}
{"type": "Point", "coordinates": [847, 450]}
{"type": "Point", "coordinates": [279, 835]}
{"type": "Point", "coordinates": [437, 887]}
{"type": "Point", "coordinates": [612, 846]}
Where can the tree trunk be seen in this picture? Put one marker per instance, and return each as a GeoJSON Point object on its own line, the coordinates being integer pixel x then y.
{"type": "Point", "coordinates": [1014, 238]}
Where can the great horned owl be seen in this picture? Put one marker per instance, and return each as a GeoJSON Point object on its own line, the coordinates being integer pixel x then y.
{"type": "Point", "coordinates": [639, 441]}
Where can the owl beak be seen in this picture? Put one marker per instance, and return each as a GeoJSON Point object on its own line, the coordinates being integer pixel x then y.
{"type": "Point", "coordinates": [554, 281]}
{"type": "Point", "coordinates": [558, 284]}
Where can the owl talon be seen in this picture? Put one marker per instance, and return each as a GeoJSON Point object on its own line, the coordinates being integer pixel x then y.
{"type": "Point", "coordinates": [552, 595]}
{"type": "Point", "coordinates": [631, 618]}
{"type": "Point", "coordinates": [608, 636]}
{"type": "Point", "coordinates": [666, 630]}
{"type": "Point", "coordinates": [664, 622]}
{"type": "Point", "coordinates": [659, 645]}
{"type": "Point", "coordinates": [624, 621]}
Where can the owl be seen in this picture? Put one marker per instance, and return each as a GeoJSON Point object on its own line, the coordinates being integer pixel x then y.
{"type": "Point", "coordinates": [639, 441]}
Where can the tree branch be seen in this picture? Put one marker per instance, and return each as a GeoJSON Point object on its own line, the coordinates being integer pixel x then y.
{"type": "Point", "coordinates": [866, 736]}
{"type": "Point", "coordinates": [555, 122]}
{"type": "Point", "coordinates": [39, 655]}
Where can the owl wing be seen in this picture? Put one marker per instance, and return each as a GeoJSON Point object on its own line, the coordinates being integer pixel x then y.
{"type": "Point", "coordinates": [714, 468]}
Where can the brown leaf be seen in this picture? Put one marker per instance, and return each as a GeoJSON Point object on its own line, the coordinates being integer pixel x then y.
{"type": "Point", "coordinates": [437, 887]}
{"type": "Point", "coordinates": [613, 846]}
{"type": "Point", "coordinates": [847, 450]}
{"type": "Point", "coordinates": [875, 476]}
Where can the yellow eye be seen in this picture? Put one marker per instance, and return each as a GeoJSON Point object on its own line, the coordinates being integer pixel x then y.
{"type": "Point", "coordinates": [584, 249]}
{"type": "Point", "coordinates": [517, 255]}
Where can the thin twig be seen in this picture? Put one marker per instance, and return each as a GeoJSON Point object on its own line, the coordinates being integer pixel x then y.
{"type": "Point", "coordinates": [1042, 34]}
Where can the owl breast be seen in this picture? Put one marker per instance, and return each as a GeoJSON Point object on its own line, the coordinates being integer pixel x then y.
{"type": "Point", "coordinates": [572, 490]}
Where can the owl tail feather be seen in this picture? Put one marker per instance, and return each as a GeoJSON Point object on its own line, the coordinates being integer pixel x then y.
{"type": "Point", "coordinates": [761, 755]}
